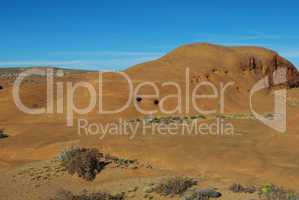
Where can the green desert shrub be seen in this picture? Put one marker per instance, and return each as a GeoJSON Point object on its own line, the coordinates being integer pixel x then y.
{"type": "Point", "coordinates": [174, 186]}
{"type": "Point", "coordinates": [199, 116]}
{"type": "Point", "coordinates": [238, 116]}
{"type": "Point", "coordinates": [221, 116]}
{"type": "Point", "coordinates": [272, 192]}
{"type": "Point", "coordinates": [66, 195]}
{"type": "Point", "coordinates": [86, 163]}
{"type": "Point", "coordinates": [269, 116]}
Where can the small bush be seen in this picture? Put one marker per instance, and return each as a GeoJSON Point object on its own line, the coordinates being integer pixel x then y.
{"type": "Point", "coordinates": [221, 116]}
{"type": "Point", "coordinates": [156, 120]}
{"type": "Point", "coordinates": [2, 134]}
{"type": "Point", "coordinates": [272, 192]}
{"type": "Point", "coordinates": [199, 116]}
{"type": "Point", "coordinates": [66, 195]}
{"type": "Point", "coordinates": [269, 116]}
{"type": "Point", "coordinates": [238, 188]}
{"type": "Point", "coordinates": [174, 186]}
{"type": "Point", "coordinates": [84, 162]}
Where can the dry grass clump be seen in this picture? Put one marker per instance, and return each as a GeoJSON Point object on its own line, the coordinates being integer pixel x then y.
{"type": "Point", "coordinates": [174, 186]}
{"type": "Point", "coordinates": [122, 162]}
{"type": "Point", "coordinates": [87, 163]}
{"type": "Point", "coordinates": [66, 195]}
{"type": "Point", "coordinates": [238, 188]}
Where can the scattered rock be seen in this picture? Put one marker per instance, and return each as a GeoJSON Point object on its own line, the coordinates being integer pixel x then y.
{"type": "Point", "coordinates": [209, 192]}
{"type": "Point", "coordinates": [148, 189]}
{"type": "Point", "coordinates": [201, 194]}
{"type": "Point", "coordinates": [134, 189]}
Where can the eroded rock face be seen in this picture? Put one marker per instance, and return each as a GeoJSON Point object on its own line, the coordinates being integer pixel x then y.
{"type": "Point", "coordinates": [292, 73]}
{"type": "Point", "coordinates": [294, 82]}
{"type": "Point", "coordinates": [274, 66]}
{"type": "Point", "coordinates": [215, 62]}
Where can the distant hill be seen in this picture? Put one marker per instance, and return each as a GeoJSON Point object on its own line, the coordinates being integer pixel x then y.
{"type": "Point", "coordinates": [20, 69]}
{"type": "Point", "coordinates": [218, 62]}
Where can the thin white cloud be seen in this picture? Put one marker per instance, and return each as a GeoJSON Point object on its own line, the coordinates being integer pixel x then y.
{"type": "Point", "coordinates": [253, 36]}
{"type": "Point", "coordinates": [291, 53]}
{"type": "Point", "coordinates": [89, 59]}
{"type": "Point", "coordinates": [113, 63]}
{"type": "Point", "coordinates": [268, 37]}
{"type": "Point", "coordinates": [36, 63]}
{"type": "Point", "coordinates": [107, 53]}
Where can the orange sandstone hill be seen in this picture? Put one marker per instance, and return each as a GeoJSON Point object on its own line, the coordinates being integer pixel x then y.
{"type": "Point", "coordinates": [217, 61]}
{"type": "Point", "coordinates": [244, 66]}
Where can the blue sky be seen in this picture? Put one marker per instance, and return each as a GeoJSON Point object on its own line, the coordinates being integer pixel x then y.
{"type": "Point", "coordinates": [117, 34]}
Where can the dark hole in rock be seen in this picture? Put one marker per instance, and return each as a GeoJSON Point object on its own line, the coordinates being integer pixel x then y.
{"type": "Point", "coordinates": [1, 87]}
{"type": "Point", "coordinates": [138, 99]}
{"type": "Point", "coordinates": [2, 134]}
{"type": "Point", "coordinates": [156, 102]}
